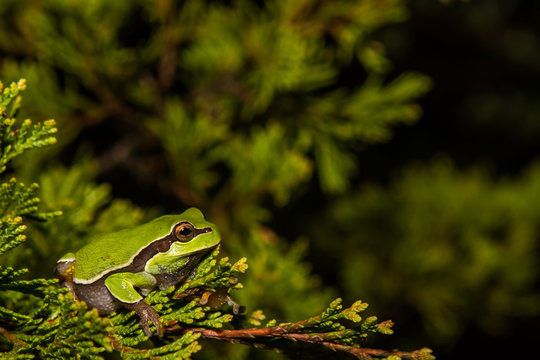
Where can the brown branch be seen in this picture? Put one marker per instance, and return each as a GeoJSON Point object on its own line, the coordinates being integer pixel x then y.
{"type": "Point", "coordinates": [263, 336]}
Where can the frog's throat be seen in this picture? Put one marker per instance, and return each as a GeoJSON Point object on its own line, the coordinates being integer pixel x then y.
{"type": "Point", "coordinates": [121, 266]}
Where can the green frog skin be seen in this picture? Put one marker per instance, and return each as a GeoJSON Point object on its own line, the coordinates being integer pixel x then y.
{"type": "Point", "coordinates": [118, 269]}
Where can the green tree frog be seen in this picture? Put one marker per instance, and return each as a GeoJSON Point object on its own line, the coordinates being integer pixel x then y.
{"type": "Point", "coordinates": [115, 269]}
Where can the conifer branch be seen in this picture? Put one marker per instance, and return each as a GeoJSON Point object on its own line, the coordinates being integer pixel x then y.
{"type": "Point", "coordinates": [266, 337]}
{"type": "Point", "coordinates": [14, 140]}
{"type": "Point", "coordinates": [330, 330]}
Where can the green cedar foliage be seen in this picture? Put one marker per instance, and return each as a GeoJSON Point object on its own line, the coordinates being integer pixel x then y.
{"type": "Point", "coordinates": [40, 320]}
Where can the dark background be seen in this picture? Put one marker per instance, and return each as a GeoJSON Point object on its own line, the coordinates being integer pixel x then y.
{"type": "Point", "coordinates": [482, 116]}
{"type": "Point", "coordinates": [484, 59]}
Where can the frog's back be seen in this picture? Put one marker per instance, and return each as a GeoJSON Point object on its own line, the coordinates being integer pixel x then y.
{"type": "Point", "coordinates": [117, 250]}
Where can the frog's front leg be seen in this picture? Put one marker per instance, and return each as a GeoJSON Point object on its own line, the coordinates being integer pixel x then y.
{"type": "Point", "coordinates": [122, 287]}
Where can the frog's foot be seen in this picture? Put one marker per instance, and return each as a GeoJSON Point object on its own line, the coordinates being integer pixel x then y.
{"type": "Point", "coordinates": [220, 297]}
{"type": "Point", "coordinates": [147, 314]}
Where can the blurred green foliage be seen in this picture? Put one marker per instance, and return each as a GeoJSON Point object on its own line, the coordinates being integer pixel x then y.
{"type": "Point", "coordinates": [442, 243]}
{"type": "Point", "coordinates": [88, 209]}
{"type": "Point", "coordinates": [244, 109]}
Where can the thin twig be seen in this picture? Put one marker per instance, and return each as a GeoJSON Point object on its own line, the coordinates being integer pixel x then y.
{"type": "Point", "coordinates": [262, 336]}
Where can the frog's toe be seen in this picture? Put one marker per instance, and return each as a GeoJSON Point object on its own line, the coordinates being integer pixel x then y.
{"type": "Point", "coordinates": [147, 314]}
{"type": "Point", "coordinates": [154, 317]}
{"type": "Point", "coordinates": [219, 298]}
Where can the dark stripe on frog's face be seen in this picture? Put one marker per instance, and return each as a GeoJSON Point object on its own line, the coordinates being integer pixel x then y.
{"type": "Point", "coordinates": [202, 231]}
{"type": "Point", "coordinates": [185, 231]}
{"type": "Point", "coordinates": [159, 246]}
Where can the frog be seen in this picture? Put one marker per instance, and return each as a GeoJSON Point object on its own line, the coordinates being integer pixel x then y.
{"type": "Point", "coordinates": [119, 269]}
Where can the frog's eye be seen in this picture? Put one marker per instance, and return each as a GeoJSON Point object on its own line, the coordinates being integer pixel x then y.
{"type": "Point", "coordinates": [184, 232]}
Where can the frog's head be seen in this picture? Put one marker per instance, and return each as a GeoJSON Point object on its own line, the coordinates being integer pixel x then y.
{"type": "Point", "coordinates": [193, 233]}
{"type": "Point", "coordinates": [192, 237]}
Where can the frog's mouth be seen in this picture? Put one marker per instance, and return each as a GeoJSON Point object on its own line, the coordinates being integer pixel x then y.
{"type": "Point", "coordinates": [206, 253]}
{"type": "Point", "coordinates": [188, 271]}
